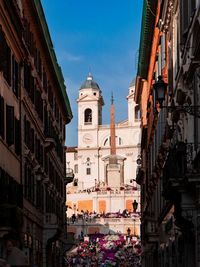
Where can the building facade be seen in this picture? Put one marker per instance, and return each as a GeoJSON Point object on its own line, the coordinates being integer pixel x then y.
{"type": "Point", "coordinates": [34, 109]}
{"type": "Point", "coordinates": [169, 172]}
{"type": "Point", "coordinates": [98, 187]}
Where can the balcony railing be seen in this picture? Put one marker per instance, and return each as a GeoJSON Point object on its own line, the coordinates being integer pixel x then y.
{"type": "Point", "coordinates": [101, 220]}
{"type": "Point", "coordinates": [180, 166]}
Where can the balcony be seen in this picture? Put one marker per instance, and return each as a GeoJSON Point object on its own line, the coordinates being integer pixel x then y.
{"type": "Point", "coordinates": [69, 176]}
{"type": "Point", "coordinates": [49, 143]}
{"type": "Point", "coordinates": [140, 175]}
{"type": "Point", "coordinates": [181, 167]}
{"type": "Point", "coordinates": [103, 221]}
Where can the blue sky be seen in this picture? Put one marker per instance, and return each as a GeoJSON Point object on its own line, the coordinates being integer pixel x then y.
{"type": "Point", "coordinates": [101, 36]}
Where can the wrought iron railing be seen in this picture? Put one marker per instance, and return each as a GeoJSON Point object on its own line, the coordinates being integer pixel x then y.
{"type": "Point", "coordinates": [180, 161]}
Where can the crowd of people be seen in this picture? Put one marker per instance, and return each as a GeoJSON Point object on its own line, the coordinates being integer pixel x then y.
{"type": "Point", "coordinates": [105, 250]}
{"type": "Point", "coordinates": [89, 216]}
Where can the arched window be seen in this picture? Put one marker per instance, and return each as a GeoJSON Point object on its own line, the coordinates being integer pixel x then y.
{"type": "Point", "coordinates": [137, 113]}
{"type": "Point", "coordinates": [88, 116]}
{"type": "Point", "coordinates": [106, 142]}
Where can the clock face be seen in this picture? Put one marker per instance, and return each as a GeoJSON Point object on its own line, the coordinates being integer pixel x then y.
{"type": "Point", "coordinates": [87, 138]}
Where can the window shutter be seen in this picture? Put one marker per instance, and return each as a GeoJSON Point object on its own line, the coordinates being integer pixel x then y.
{"type": "Point", "coordinates": [1, 117]}
{"type": "Point", "coordinates": [17, 137]}
{"type": "Point", "coordinates": [9, 125]}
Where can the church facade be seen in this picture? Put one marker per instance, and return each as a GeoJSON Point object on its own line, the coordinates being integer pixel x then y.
{"type": "Point", "coordinates": [104, 181]}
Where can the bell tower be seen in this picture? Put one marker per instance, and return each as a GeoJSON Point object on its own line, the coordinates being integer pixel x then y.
{"type": "Point", "coordinates": [133, 108]}
{"type": "Point", "coordinates": [90, 102]}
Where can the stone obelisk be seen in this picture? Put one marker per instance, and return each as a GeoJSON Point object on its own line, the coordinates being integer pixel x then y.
{"type": "Point", "coordinates": [113, 168]}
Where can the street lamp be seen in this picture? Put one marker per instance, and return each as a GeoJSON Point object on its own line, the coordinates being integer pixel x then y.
{"type": "Point", "coordinates": [160, 89]}
{"type": "Point", "coordinates": [128, 231]}
{"type": "Point", "coordinates": [184, 106]}
{"type": "Point", "coordinates": [135, 205]}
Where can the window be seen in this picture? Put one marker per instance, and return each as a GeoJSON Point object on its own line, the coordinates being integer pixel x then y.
{"type": "Point", "coordinates": [50, 96]}
{"type": "Point", "coordinates": [76, 168]}
{"type": "Point", "coordinates": [39, 195]}
{"type": "Point", "coordinates": [15, 76]}
{"type": "Point", "coordinates": [88, 116]}
{"type": "Point", "coordinates": [5, 58]}
{"type": "Point", "coordinates": [88, 171]}
{"type": "Point", "coordinates": [29, 187]}
{"type": "Point", "coordinates": [75, 156]}
{"type": "Point", "coordinates": [106, 142]}
{"type": "Point", "coordinates": [32, 140]}
{"type": "Point", "coordinates": [10, 125]}
{"type": "Point", "coordinates": [137, 112]}
{"type": "Point", "coordinates": [17, 137]}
